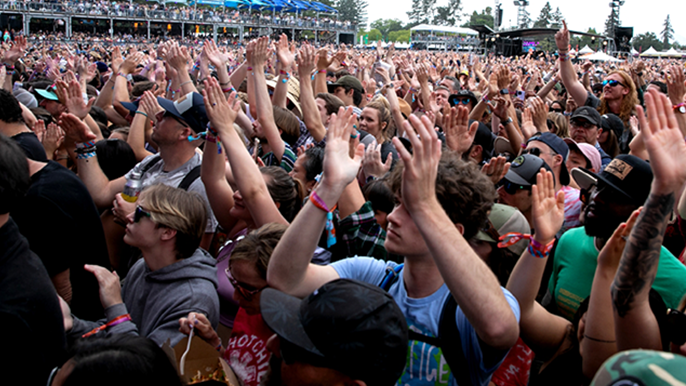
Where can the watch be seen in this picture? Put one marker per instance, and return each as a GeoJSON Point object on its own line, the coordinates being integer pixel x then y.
{"type": "Point", "coordinates": [505, 91]}
{"type": "Point", "coordinates": [507, 121]}
{"type": "Point", "coordinates": [680, 108]}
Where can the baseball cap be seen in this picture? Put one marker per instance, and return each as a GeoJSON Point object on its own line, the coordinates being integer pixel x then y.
{"type": "Point", "coordinates": [506, 219]}
{"type": "Point", "coordinates": [347, 81]}
{"type": "Point", "coordinates": [588, 113]}
{"type": "Point", "coordinates": [485, 138]}
{"type": "Point", "coordinates": [346, 325]}
{"type": "Point", "coordinates": [559, 146]}
{"type": "Point", "coordinates": [189, 108]}
{"type": "Point", "coordinates": [102, 67]}
{"type": "Point", "coordinates": [452, 99]}
{"type": "Point", "coordinates": [629, 175]}
{"type": "Point", "coordinates": [501, 145]}
{"type": "Point", "coordinates": [131, 106]}
{"type": "Point", "coordinates": [642, 368]}
{"type": "Point", "coordinates": [48, 93]}
{"type": "Point", "coordinates": [614, 123]}
{"type": "Point", "coordinates": [523, 169]}
{"type": "Point", "coordinates": [589, 151]}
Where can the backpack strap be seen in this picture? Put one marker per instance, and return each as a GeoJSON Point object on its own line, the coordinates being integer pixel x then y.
{"type": "Point", "coordinates": [156, 158]}
{"type": "Point", "coordinates": [451, 343]}
{"type": "Point", "coordinates": [190, 177]}
{"type": "Point", "coordinates": [392, 275]}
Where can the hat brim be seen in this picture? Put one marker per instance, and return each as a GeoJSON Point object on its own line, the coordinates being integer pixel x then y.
{"type": "Point", "coordinates": [483, 236]}
{"type": "Point", "coordinates": [131, 106]}
{"type": "Point", "coordinates": [586, 178]}
{"type": "Point", "coordinates": [516, 178]}
{"type": "Point", "coordinates": [281, 312]}
{"type": "Point", "coordinates": [169, 107]}
{"type": "Point", "coordinates": [48, 95]}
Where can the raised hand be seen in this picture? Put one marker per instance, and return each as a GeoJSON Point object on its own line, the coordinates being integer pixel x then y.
{"type": "Point", "coordinates": [221, 112]}
{"type": "Point", "coordinates": [562, 38]}
{"type": "Point", "coordinates": [540, 110]}
{"type": "Point", "coordinates": [285, 53]}
{"type": "Point", "coordinates": [260, 52]}
{"type": "Point", "coordinates": [664, 143]}
{"type": "Point", "coordinates": [421, 167]}
{"type": "Point", "coordinates": [70, 95]}
{"type": "Point", "coordinates": [323, 60]}
{"type": "Point", "coordinates": [676, 85]}
{"type": "Point", "coordinates": [371, 163]}
{"type": "Point", "coordinates": [110, 287]}
{"type": "Point", "coordinates": [75, 130]}
{"type": "Point", "coordinates": [339, 168]}
{"type": "Point", "coordinates": [459, 135]}
{"type": "Point", "coordinates": [53, 138]}
{"type": "Point", "coordinates": [129, 65]}
{"type": "Point", "coordinates": [496, 169]}
{"type": "Point", "coordinates": [213, 55]}
{"type": "Point", "coordinates": [500, 107]}
{"type": "Point", "coordinates": [15, 52]}
{"type": "Point", "coordinates": [306, 61]}
{"type": "Point", "coordinates": [117, 59]}
{"type": "Point", "coordinates": [148, 104]}
{"type": "Point", "coordinates": [611, 253]}
{"type": "Point", "coordinates": [504, 77]}
{"type": "Point", "coordinates": [39, 129]}
{"type": "Point", "coordinates": [547, 209]}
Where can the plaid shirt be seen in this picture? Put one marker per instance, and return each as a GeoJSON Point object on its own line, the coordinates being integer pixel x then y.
{"type": "Point", "coordinates": [362, 235]}
{"type": "Point", "coordinates": [306, 138]}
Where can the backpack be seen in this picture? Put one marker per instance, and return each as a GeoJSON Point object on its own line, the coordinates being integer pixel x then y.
{"type": "Point", "coordinates": [448, 340]}
{"type": "Point", "coordinates": [187, 180]}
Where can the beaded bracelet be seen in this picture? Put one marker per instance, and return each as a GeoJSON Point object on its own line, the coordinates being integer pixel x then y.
{"type": "Point", "coordinates": [229, 89]}
{"type": "Point", "coordinates": [111, 323]}
{"type": "Point", "coordinates": [330, 230]}
{"type": "Point", "coordinates": [535, 248]}
{"type": "Point", "coordinates": [85, 155]}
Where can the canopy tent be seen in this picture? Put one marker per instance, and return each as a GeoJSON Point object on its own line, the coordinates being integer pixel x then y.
{"type": "Point", "coordinates": [650, 52]}
{"type": "Point", "coordinates": [323, 7]}
{"type": "Point", "coordinates": [634, 52]}
{"type": "Point", "coordinates": [602, 57]}
{"type": "Point", "coordinates": [671, 53]}
{"type": "Point", "coordinates": [586, 50]}
{"type": "Point", "coordinates": [175, 1]}
{"type": "Point", "coordinates": [444, 29]}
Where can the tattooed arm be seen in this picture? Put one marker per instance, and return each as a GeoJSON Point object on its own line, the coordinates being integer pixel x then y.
{"type": "Point", "coordinates": [638, 266]}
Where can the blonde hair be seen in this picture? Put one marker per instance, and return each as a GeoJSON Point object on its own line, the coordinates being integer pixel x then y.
{"type": "Point", "coordinates": [177, 209]}
{"type": "Point", "coordinates": [257, 246]}
{"type": "Point", "coordinates": [629, 101]}
{"type": "Point", "coordinates": [381, 105]}
{"type": "Point", "coordinates": [561, 124]}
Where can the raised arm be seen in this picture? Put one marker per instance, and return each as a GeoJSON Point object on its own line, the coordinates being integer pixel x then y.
{"type": "Point", "coordinates": [286, 56]}
{"type": "Point", "coordinates": [667, 150]}
{"type": "Point", "coordinates": [179, 59]}
{"type": "Point", "coordinates": [567, 73]}
{"type": "Point", "coordinates": [540, 330]}
{"type": "Point", "coordinates": [249, 181]}
{"type": "Point", "coordinates": [289, 268]}
{"type": "Point", "coordinates": [147, 109]}
{"type": "Point", "coordinates": [311, 117]}
{"type": "Point", "coordinates": [470, 281]}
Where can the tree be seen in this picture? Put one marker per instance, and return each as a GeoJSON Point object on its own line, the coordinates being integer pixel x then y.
{"type": "Point", "coordinates": [644, 41]}
{"type": "Point", "coordinates": [448, 15]}
{"type": "Point", "coordinates": [402, 36]}
{"type": "Point", "coordinates": [545, 18]}
{"type": "Point", "coordinates": [422, 11]}
{"type": "Point", "coordinates": [556, 19]}
{"type": "Point", "coordinates": [354, 11]}
{"type": "Point", "coordinates": [385, 26]}
{"type": "Point", "coordinates": [667, 33]}
{"type": "Point", "coordinates": [483, 18]}
{"type": "Point", "coordinates": [610, 23]}
{"type": "Point", "coordinates": [374, 35]}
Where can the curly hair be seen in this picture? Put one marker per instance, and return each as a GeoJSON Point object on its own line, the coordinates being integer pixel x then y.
{"type": "Point", "coordinates": [629, 101]}
{"type": "Point", "coordinates": [464, 192]}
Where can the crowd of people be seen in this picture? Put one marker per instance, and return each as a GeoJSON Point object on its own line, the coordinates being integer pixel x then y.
{"type": "Point", "coordinates": [324, 215]}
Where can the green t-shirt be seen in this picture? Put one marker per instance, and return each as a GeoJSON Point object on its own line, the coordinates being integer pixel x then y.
{"type": "Point", "coordinates": [576, 259]}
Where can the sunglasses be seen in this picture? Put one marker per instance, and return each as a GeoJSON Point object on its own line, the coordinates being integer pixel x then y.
{"type": "Point", "coordinates": [140, 213]}
{"type": "Point", "coordinates": [246, 291]}
{"type": "Point", "coordinates": [612, 83]}
{"type": "Point", "coordinates": [491, 231]}
{"type": "Point", "coordinates": [536, 152]}
{"type": "Point", "coordinates": [557, 110]}
{"type": "Point", "coordinates": [582, 124]}
{"type": "Point", "coordinates": [160, 116]}
{"type": "Point", "coordinates": [512, 188]}
{"type": "Point", "coordinates": [458, 101]}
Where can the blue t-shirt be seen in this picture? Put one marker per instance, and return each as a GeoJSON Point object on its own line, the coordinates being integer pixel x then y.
{"type": "Point", "coordinates": [425, 364]}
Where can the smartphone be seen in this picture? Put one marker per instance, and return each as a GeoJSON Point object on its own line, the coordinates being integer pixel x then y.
{"type": "Point", "coordinates": [378, 78]}
{"type": "Point", "coordinates": [521, 95]}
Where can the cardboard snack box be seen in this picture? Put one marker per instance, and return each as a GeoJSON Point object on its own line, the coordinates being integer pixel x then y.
{"type": "Point", "coordinates": [203, 365]}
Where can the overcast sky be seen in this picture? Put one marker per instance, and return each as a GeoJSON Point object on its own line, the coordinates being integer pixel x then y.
{"type": "Point", "coordinates": [644, 16]}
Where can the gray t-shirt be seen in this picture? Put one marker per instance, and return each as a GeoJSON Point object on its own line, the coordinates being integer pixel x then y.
{"type": "Point", "coordinates": [157, 175]}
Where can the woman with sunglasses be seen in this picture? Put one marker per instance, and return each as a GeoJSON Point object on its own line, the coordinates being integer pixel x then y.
{"type": "Point", "coordinates": [261, 196]}
{"type": "Point", "coordinates": [246, 350]}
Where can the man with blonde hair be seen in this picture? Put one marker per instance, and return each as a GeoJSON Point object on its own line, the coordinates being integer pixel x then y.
{"type": "Point", "coordinates": [173, 278]}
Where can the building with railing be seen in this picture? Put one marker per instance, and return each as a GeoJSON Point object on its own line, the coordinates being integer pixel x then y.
{"type": "Point", "coordinates": [238, 19]}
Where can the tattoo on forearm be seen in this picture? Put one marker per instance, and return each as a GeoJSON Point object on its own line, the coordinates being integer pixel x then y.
{"type": "Point", "coordinates": [642, 253]}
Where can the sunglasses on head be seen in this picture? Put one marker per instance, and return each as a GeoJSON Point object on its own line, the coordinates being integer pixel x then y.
{"type": "Point", "coordinates": [245, 290]}
{"type": "Point", "coordinates": [458, 101]}
{"type": "Point", "coordinates": [140, 213]}
{"type": "Point", "coordinates": [512, 188]}
{"type": "Point", "coordinates": [612, 83]}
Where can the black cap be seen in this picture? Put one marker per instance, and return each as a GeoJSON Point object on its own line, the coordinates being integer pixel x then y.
{"type": "Point", "coordinates": [452, 99]}
{"type": "Point", "coordinates": [523, 169]}
{"type": "Point", "coordinates": [189, 108]}
{"type": "Point", "coordinates": [628, 175]}
{"type": "Point", "coordinates": [485, 138]}
{"type": "Point", "coordinates": [614, 123]}
{"type": "Point", "coordinates": [347, 81]}
{"type": "Point", "coordinates": [588, 113]}
{"type": "Point", "coordinates": [559, 146]}
{"type": "Point", "coordinates": [347, 325]}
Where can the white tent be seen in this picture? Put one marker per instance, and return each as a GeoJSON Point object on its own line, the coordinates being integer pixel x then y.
{"type": "Point", "coordinates": [586, 50]}
{"type": "Point", "coordinates": [671, 53]}
{"type": "Point", "coordinates": [634, 52]}
{"type": "Point", "coordinates": [444, 29]}
{"type": "Point", "coordinates": [650, 52]}
{"type": "Point", "coordinates": [602, 57]}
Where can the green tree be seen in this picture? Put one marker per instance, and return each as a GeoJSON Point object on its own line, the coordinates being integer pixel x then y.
{"type": "Point", "coordinates": [449, 14]}
{"type": "Point", "coordinates": [612, 20]}
{"type": "Point", "coordinates": [545, 18]}
{"type": "Point", "coordinates": [483, 18]}
{"type": "Point", "coordinates": [402, 36]}
{"type": "Point", "coordinates": [644, 41]}
{"type": "Point", "coordinates": [374, 35]}
{"type": "Point", "coordinates": [415, 14]}
{"type": "Point", "coordinates": [667, 33]}
{"type": "Point", "coordinates": [354, 11]}
{"type": "Point", "coordinates": [387, 25]}
{"type": "Point", "coordinates": [556, 19]}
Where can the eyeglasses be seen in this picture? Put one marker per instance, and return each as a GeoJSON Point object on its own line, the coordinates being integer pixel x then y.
{"type": "Point", "coordinates": [246, 291]}
{"type": "Point", "coordinates": [612, 83]}
{"type": "Point", "coordinates": [536, 151]}
{"type": "Point", "coordinates": [512, 188]}
{"type": "Point", "coordinates": [458, 101]}
{"type": "Point", "coordinates": [582, 125]}
{"type": "Point", "coordinates": [139, 213]}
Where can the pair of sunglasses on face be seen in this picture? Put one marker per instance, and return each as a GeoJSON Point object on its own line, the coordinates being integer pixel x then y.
{"type": "Point", "coordinates": [612, 83]}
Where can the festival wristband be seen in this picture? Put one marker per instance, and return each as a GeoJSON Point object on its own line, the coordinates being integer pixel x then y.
{"type": "Point", "coordinates": [535, 248]}
{"type": "Point", "coordinates": [111, 323]}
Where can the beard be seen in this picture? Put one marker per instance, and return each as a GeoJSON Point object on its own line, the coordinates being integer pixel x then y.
{"type": "Point", "coordinates": [600, 224]}
{"type": "Point", "coordinates": [273, 376]}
